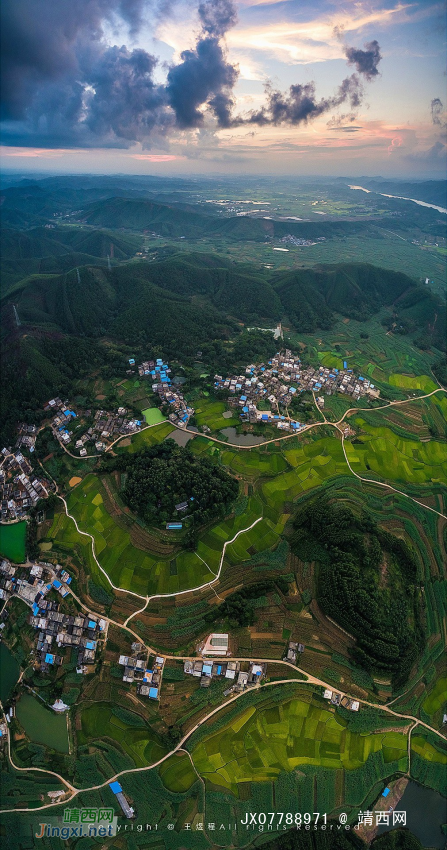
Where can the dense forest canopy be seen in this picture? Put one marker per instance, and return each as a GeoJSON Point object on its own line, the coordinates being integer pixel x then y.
{"type": "Point", "coordinates": [163, 476]}
{"type": "Point", "coordinates": [367, 582]}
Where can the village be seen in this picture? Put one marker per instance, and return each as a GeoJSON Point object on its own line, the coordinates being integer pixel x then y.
{"type": "Point", "coordinates": [20, 487]}
{"type": "Point", "coordinates": [282, 379]}
{"type": "Point", "coordinates": [32, 584]}
{"type": "Point", "coordinates": [104, 429]}
{"type": "Point", "coordinates": [179, 412]}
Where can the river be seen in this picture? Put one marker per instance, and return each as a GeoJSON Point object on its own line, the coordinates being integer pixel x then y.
{"type": "Point", "coordinates": [401, 198]}
{"type": "Point", "coordinates": [426, 811]}
{"type": "Point", "coordinates": [9, 672]}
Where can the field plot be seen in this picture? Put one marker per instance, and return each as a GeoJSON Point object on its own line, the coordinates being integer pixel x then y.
{"type": "Point", "coordinates": [410, 382]}
{"type": "Point", "coordinates": [261, 743]}
{"type": "Point", "coordinates": [128, 731]}
{"type": "Point", "coordinates": [147, 437]}
{"type": "Point", "coordinates": [437, 697]}
{"type": "Point", "coordinates": [177, 773]}
{"type": "Point", "coordinates": [208, 412]}
{"type": "Point", "coordinates": [393, 458]}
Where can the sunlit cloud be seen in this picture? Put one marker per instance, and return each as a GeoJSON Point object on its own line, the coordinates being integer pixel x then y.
{"type": "Point", "coordinates": [316, 40]}
{"type": "Point", "coordinates": [155, 157]}
{"type": "Point", "coordinates": [44, 153]}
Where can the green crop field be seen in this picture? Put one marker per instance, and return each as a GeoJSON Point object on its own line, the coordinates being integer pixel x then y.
{"type": "Point", "coordinates": [437, 697]}
{"type": "Point", "coordinates": [410, 382]}
{"type": "Point", "coordinates": [208, 412]}
{"type": "Point", "coordinates": [262, 742]}
{"type": "Point", "coordinates": [138, 741]}
{"type": "Point", "coordinates": [392, 458]}
{"type": "Point", "coordinates": [127, 565]}
{"type": "Point", "coordinates": [153, 416]}
{"type": "Point", "coordinates": [177, 773]}
{"type": "Point", "coordinates": [146, 437]}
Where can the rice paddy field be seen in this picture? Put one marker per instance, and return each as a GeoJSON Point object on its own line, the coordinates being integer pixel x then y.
{"type": "Point", "coordinates": [128, 732]}
{"type": "Point", "coordinates": [260, 742]}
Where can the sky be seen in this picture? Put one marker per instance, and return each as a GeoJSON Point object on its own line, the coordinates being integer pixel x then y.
{"type": "Point", "coordinates": [178, 87]}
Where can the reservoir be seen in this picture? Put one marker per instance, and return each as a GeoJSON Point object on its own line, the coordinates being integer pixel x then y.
{"type": "Point", "coordinates": [426, 812]}
{"type": "Point", "coordinates": [9, 672]}
{"type": "Point", "coordinates": [41, 724]}
{"type": "Point", "coordinates": [241, 439]}
{"type": "Point", "coordinates": [12, 541]}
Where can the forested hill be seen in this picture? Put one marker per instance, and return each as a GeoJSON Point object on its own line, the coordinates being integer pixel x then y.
{"type": "Point", "coordinates": [198, 295]}
{"type": "Point", "coordinates": [53, 250]}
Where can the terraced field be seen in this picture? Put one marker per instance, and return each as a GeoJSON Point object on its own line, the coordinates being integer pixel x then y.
{"type": "Point", "coordinates": [177, 773]}
{"type": "Point", "coordinates": [262, 742]}
{"type": "Point", "coordinates": [379, 450]}
{"type": "Point", "coordinates": [132, 735]}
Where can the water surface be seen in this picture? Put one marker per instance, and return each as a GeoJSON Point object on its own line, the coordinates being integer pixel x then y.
{"type": "Point", "coordinates": [12, 541]}
{"type": "Point", "coordinates": [42, 724]}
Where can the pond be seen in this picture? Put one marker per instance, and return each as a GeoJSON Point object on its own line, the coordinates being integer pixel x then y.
{"type": "Point", "coordinates": [426, 812]}
{"type": "Point", "coordinates": [12, 541]}
{"type": "Point", "coordinates": [241, 439]}
{"type": "Point", "coordinates": [180, 437]}
{"type": "Point", "coordinates": [41, 724]}
{"type": "Point", "coordinates": [153, 416]}
{"type": "Point", "coordinates": [9, 672]}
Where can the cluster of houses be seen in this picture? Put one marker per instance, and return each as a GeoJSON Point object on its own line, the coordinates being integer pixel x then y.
{"type": "Point", "coordinates": [27, 437]}
{"type": "Point", "coordinates": [206, 670]}
{"type": "Point", "coordinates": [337, 699]}
{"type": "Point", "coordinates": [62, 415]}
{"type": "Point", "coordinates": [298, 242]}
{"type": "Point", "coordinates": [292, 651]}
{"type": "Point", "coordinates": [20, 487]}
{"type": "Point", "coordinates": [106, 428]}
{"type": "Point", "coordinates": [33, 584]}
{"type": "Point", "coordinates": [80, 632]}
{"type": "Point", "coordinates": [283, 378]}
{"type": "Point", "coordinates": [136, 669]}
{"type": "Point", "coordinates": [162, 384]}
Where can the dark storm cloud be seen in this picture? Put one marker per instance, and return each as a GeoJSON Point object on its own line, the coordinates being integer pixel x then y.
{"type": "Point", "coordinates": [300, 104]}
{"type": "Point", "coordinates": [217, 17]}
{"type": "Point", "coordinates": [48, 41]}
{"type": "Point", "coordinates": [203, 76]}
{"type": "Point", "coordinates": [365, 61]}
{"type": "Point", "coordinates": [65, 86]}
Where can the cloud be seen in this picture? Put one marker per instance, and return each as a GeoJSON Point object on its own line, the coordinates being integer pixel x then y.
{"type": "Point", "coordinates": [66, 86]}
{"type": "Point", "coordinates": [437, 111]}
{"type": "Point", "coordinates": [300, 104]}
{"type": "Point", "coordinates": [317, 39]}
{"type": "Point", "coordinates": [203, 76]}
{"type": "Point", "coordinates": [365, 61]}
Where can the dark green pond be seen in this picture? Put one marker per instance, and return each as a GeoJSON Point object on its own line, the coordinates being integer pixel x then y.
{"type": "Point", "coordinates": [12, 541]}
{"type": "Point", "coordinates": [426, 812]}
{"type": "Point", "coordinates": [41, 724]}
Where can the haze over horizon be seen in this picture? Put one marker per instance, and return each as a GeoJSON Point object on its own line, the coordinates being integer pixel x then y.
{"type": "Point", "coordinates": [222, 87]}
